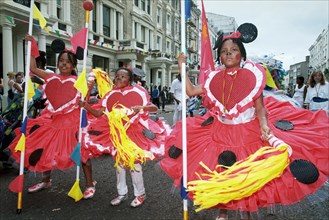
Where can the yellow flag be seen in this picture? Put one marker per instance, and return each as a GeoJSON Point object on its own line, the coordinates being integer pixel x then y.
{"type": "Point", "coordinates": [269, 80]}
{"type": "Point", "coordinates": [81, 83]}
{"type": "Point", "coordinates": [30, 89]}
{"type": "Point", "coordinates": [75, 192]}
{"type": "Point", "coordinates": [37, 15]}
{"type": "Point", "coordinates": [21, 144]}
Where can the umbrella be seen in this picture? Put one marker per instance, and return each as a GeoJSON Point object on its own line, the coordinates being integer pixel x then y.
{"type": "Point", "coordinates": [138, 72]}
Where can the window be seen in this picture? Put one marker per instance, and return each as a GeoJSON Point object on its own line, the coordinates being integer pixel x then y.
{"type": "Point", "coordinates": [176, 52]}
{"type": "Point", "coordinates": [177, 27]}
{"type": "Point", "coordinates": [38, 5]}
{"type": "Point", "coordinates": [26, 3]}
{"type": "Point", "coordinates": [94, 17]}
{"type": "Point", "coordinates": [168, 22]}
{"type": "Point", "coordinates": [168, 47]}
{"type": "Point", "coordinates": [159, 15]}
{"type": "Point", "coordinates": [158, 43]}
{"type": "Point", "coordinates": [51, 59]}
{"type": "Point", "coordinates": [135, 31]}
{"type": "Point", "coordinates": [177, 4]}
{"type": "Point", "coordinates": [101, 62]}
{"type": "Point", "coordinates": [150, 39]}
{"type": "Point", "coordinates": [148, 3]}
{"type": "Point", "coordinates": [142, 34]}
{"type": "Point", "coordinates": [117, 25]}
{"type": "Point", "coordinates": [59, 9]}
{"type": "Point", "coordinates": [106, 21]}
{"type": "Point", "coordinates": [62, 26]}
{"type": "Point", "coordinates": [60, 15]}
{"type": "Point", "coordinates": [143, 5]}
{"type": "Point", "coordinates": [136, 2]}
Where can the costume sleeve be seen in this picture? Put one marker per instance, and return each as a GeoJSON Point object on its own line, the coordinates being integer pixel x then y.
{"type": "Point", "coordinates": [104, 100]}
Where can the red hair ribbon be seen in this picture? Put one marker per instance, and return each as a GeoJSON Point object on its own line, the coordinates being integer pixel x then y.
{"type": "Point", "coordinates": [70, 50]}
{"type": "Point", "coordinates": [233, 35]}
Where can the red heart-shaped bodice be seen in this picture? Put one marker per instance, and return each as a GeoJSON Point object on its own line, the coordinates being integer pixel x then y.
{"type": "Point", "coordinates": [60, 92]}
{"type": "Point", "coordinates": [235, 89]}
{"type": "Point", "coordinates": [128, 99]}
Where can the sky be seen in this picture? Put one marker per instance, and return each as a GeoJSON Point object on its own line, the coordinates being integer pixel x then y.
{"type": "Point", "coordinates": [286, 28]}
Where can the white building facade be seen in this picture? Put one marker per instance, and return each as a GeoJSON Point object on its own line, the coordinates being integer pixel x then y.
{"type": "Point", "coordinates": [136, 33]}
{"type": "Point", "coordinates": [319, 52]}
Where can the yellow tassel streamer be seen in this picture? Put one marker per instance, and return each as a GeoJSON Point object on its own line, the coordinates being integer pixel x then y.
{"type": "Point", "coordinates": [128, 153]}
{"type": "Point", "coordinates": [241, 180]}
{"type": "Point", "coordinates": [104, 83]}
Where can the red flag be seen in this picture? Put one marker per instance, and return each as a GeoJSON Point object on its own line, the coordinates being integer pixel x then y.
{"type": "Point", "coordinates": [16, 185]}
{"type": "Point", "coordinates": [207, 61]}
{"type": "Point", "coordinates": [79, 39]}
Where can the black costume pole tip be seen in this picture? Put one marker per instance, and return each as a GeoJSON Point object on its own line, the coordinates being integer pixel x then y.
{"type": "Point", "coordinates": [19, 211]}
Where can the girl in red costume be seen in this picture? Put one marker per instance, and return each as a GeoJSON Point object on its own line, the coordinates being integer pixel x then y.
{"type": "Point", "coordinates": [147, 134]}
{"type": "Point", "coordinates": [51, 138]}
{"type": "Point", "coordinates": [238, 124]}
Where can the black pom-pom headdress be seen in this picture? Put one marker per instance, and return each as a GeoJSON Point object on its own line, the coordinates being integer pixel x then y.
{"type": "Point", "coordinates": [58, 46]}
{"type": "Point", "coordinates": [247, 32]}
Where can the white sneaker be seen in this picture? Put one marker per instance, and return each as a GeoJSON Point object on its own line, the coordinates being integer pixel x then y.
{"type": "Point", "coordinates": [118, 200]}
{"type": "Point", "coordinates": [90, 191]}
{"type": "Point", "coordinates": [39, 186]}
{"type": "Point", "coordinates": [138, 201]}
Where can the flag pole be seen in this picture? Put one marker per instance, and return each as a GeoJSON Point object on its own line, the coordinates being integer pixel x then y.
{"type": "Point", "coordinates": [183, 75]}
{"type": "Point", "coordinates": [88, 6]}
{"type": "Point", "coordinates": [75, 191]}
{"type": "Point", "coordinates": [27, 72]}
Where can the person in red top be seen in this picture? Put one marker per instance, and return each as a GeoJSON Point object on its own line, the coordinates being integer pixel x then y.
{"type": "Point", "coordinates": [51, 137]}
{"type": "Point", "coordinates": [147, 134]}
{"type": "Point", "coordinates": [237, 125]}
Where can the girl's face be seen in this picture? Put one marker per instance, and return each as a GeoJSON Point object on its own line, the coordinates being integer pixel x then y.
{"type": "Point", "coordinates": [64, 65]}
{"type": "Point", "coordinates": [230, 54]}
{"type": "Point", "coordinates": [317, 77]}
{"type": "Point", "coordinates": [121, 79]}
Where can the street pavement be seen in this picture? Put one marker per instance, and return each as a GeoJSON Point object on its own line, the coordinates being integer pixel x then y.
{"type": "Point", "coordinates": [163, 200]}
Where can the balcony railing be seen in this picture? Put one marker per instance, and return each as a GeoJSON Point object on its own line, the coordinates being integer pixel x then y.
{"type": "Point", "coordinates": [133, 44]}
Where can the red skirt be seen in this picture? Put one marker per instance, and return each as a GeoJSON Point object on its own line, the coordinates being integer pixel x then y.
{"type": "Point", "coordinates": [50, 141]}
{"type": "Point", "coordinates": [97, 139]}
{"type": "Point", "coordinates": [308, 140]}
